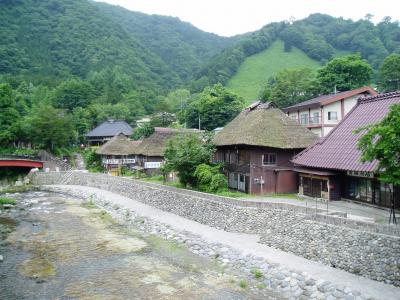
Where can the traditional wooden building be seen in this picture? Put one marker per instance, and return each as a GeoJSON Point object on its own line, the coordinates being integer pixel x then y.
{"type": "Point", "coordinates": [323, 113]}
{"type": "Point", "coordinates": [151, 150]}
{"type": "Point", "coordinates": [257, 147]}
{"type": "Point", "coordinates": [107, 130]}
{"type": "Point", "coordinates": [119, 152]}
{"type": "Point", "coordinates": [331, 168]}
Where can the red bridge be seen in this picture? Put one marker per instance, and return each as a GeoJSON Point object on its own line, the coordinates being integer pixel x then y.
{"type": "Point", "coordinates": [23, 161]}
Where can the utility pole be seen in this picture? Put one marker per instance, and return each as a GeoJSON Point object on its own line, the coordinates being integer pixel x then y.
{"type": "Point", "coordinates": [199, 122]}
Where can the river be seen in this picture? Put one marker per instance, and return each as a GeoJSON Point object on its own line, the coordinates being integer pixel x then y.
{"type": "Point", "coordinates": [56, 247]}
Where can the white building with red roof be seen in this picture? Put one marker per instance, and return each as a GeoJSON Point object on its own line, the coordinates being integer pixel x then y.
{"type": "Point", "coordinates": [323, 113]}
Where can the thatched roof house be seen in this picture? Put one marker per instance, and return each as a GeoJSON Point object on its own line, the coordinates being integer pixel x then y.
{"type": "Point", "coordinates": [256, 148]}
{"type": "Point", "coordinates": [119, 145]}
{"type": "Point", "coordinates": [155, 144]}
{"type": "Point", "coordinates": [264, 124]}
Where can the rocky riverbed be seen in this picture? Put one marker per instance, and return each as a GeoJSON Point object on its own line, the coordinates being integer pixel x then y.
{"type": "Point", "coordinates": [362, 252]}
{"type": "Point", "coordinates": [253, 273]}
{"type": "Point", "coordinates": [58, 246]}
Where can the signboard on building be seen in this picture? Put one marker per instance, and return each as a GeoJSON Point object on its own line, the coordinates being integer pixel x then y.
{"type": "Point", "coordinates": [152, 165]}
{"type": "Point", "coordinates": [360, 174]}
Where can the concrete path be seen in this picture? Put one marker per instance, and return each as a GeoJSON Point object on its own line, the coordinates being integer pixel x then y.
{"type": "Point", "coordinates": [248, 244]}
{"type": "Point", "coordinates": [354, 210]}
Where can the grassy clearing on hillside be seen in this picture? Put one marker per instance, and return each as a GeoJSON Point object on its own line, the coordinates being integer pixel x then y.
{"type": "Point", "coordinates": [258, 68]}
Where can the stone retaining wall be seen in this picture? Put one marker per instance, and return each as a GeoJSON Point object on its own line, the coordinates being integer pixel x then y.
{"type": "Point", "coordinates": [369, 254]}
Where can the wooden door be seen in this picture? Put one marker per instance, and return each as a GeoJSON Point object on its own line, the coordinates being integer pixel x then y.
{"type": "Point", "coordinates": [316, 187]}
{"type": "Point", "coordinates": [242, 183]}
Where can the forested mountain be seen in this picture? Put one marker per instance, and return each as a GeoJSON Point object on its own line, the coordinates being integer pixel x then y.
{"type": "Point", "coordinates": [319, 36]}
{"type": "Point", "coordinates": [181, 46]}
{"type": "Point", "coordinates": [49, 40]}
{"type": "Point", "coordinates": [69, 65]}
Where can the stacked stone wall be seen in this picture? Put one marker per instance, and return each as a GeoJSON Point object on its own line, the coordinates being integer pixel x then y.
{"type": "Point", "coordinates": [286, 227]}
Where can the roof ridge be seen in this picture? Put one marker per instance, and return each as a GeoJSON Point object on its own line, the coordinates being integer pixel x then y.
{"type": "Point", "coordinates": [323, 98]}
{"type": "Point", "coordinates": [378, 97]}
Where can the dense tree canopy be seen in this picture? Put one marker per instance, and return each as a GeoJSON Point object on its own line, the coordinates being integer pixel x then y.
{"type": "Point", "coordinates": [185, 152]}
{"type": "Point", "coordinates": [382, 142]}
{"type": "Point", "coordinates": [344, 73]}
{"type": "Point", "coordinates": [72, 94]}
{"type": "Point", "coordinates": [143, 131]}
{"type": "Point", "coordinates": [8, 114]}
{"type": "Point", "coordinates": [389, 73]}
{"type": "Point", "coordinates": [212, 108]}
{"type": "Point", "coordinates": [80, 62]}
{"type": "Point", "coordinates": [51, 128]}
{"type": "Point", "coordinates": [290, 86]}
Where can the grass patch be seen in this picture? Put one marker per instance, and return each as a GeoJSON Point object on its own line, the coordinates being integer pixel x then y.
{"type": "Point", "coordinates": [243, 284]}
{"type": "Point", "coordinates": [257, 273]}
{"type": "Point", "coordinates": [18, 189]}
{"type": "Point", "coordinates": [4, 200]}
{"type": "Point", "coordinates": [255, 71]}
{"type": "Point", "coordinates": [104, 216]}
{"type": "Point", "coordinates": [88, 204]}
{"type": "Point", "coordinates": [232, 194]}
{"type": "Point", "coordinates": [261, 286]}
{"type": "Point", "coordinates": [156, 179]}
{"type": "Point", "coordinates": [288, 196]}
{"type": "Point", "coordinates": [160, 180]}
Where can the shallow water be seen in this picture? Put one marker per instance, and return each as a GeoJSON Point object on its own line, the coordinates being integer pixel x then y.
{"type": "Point", "coordinates": [55, 247]}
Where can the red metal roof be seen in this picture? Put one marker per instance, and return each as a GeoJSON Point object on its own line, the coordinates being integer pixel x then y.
{"type": "Point", "coordinates": [338, 150]}
{"type": "Point", "coordinates": [327, 99]}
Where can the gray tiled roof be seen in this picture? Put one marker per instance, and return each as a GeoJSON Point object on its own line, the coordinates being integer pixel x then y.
{"type": "Point", "coordinates": [111, 128]}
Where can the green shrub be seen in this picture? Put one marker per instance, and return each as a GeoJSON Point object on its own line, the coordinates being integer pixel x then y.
{"type": "Point", "coordinates": [257, 273]}
{"type": "Point", "coordinates": [92, 160]}
{"type": "Point", "coordinates": [210, 178]}
{"type": "Point", "coordinates": [4, 200]}
{"type": "Point", "coordinates": [19, 151]}
{"type": "Point", "coordinates": [243, 284]}
{"type": "Point", "coordinates": [125, 171]}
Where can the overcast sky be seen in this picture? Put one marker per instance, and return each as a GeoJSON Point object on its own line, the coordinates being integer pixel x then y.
{"type": "Point", "coordinates": [230, 17]}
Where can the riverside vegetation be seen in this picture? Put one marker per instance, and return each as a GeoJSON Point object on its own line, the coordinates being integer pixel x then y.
{"type": "Point", "coordinates": [60, 81]}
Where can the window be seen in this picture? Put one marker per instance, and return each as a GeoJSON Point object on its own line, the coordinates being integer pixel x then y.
{"type": "Point", "coordinates": [304, 119]}
{"type": "Point", "coordinates": [332, 115]}
{"type": "Point", "coordinates": [269, 159]}
{"type": "Point", "coordinates": [315, 118]}
{"type": "Point", "coordinates": [226, 157]}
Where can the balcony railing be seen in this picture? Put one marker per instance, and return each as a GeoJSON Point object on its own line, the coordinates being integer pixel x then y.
{"type": "Point", "coordinates": [310, 121]}
{"type": "Point", "coordinates": [115, 161]}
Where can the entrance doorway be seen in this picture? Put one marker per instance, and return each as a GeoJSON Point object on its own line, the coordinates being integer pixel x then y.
{"type": "Point", "coordinates": [314, 187]}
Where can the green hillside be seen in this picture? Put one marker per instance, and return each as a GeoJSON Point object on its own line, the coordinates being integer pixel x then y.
{"type": "Point", "coordinates": [49, 41]}
{"type": "Point", "coordinates": [258, 68]}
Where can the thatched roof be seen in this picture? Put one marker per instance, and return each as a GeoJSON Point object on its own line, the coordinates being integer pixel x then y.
{"type": "Point", "coordinates": [263, 124]}
{"type": "Point", "coordinates": [119, 145]}
{"type": "Point", "coordinates": [156, 143]}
